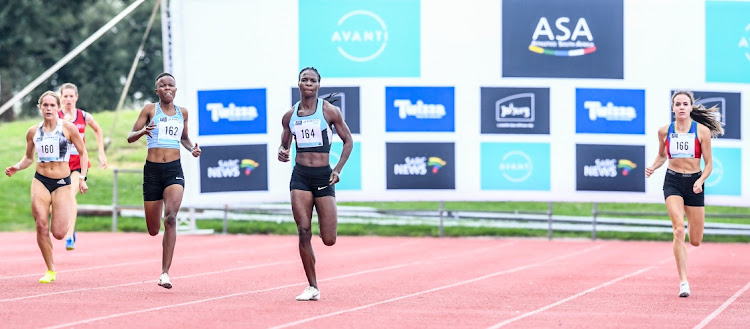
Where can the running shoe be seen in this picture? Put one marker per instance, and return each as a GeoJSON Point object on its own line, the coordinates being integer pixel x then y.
{"type": "Point", "coordinates": [310, 293]}
{"type": "Point", "coordinates": [164, 281]}
{"type": "Point", "coordinates": [48, 277]}
{"type": "Point", "coordinates": [70, 243]}
{"type": "Point", "coordinates": [684, 289]}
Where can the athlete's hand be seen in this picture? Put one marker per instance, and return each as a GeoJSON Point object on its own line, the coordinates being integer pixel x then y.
{"type": "Point", "coordinates": [10, 171]}
{"type": "Point", "coordinates": [83, 187]}
{"type": "Point", "coordinates": [334, 178]}
{"type": "Point", "coordinates": [284, 154]}
{"type": "Point", "coordinates": [102, 160]}
{"type": "Point", "coordinates": [147, 129]}
{"type": "Point", "coordinates": [649, 171]}
{"type": "Point", "coordinates": [196, 150]}
{"type": "Point", "coordinates": [698, 186]}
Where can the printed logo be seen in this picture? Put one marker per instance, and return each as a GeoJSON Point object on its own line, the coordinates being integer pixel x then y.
{"type": "Point", "coordinates": [247, 165]}
{"type": "Point", "coordinates": [363, 32]}
{"type": "Point", "coordinates": [506, 111]}
{"type": "Point", "coordinates": [729, 106]}
{"type": "Point", "coordinates": [561, 42]}
{"type": "Point", "coordinates": [419, 109]}
{"type": "Point", "coordinates": [515, 110]}
{"type": "Point", "coordinates": [436, 163]}
{"type": "Point", "coordinates": [226, 112]}
{"type": "Point", "coordinates": [610, 111]}
{"type": "Point", "coordinates": [610, 168]}
{"type": "Point", "coordinates": [515, 166]}
{"type": "Point", "coordinates": [345, 98]}
{"type": "Point", "coordinates": [727, 41]}
{"type": "Point", "coordinates": [420, 166]}
{"type": "Point", "coordinates": [233, 168]}
{"type": "Point", "coordinates": [361, 39]}
{"type": "Point", "coordinates": [726, 177]}
{"type": "Point", "coordinates": [562, 39]}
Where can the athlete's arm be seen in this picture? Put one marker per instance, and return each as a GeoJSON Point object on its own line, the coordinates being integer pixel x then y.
{"type": "Point", "coordinates": [71, 132]}
{"type": "Point", "coordinates": [704, 137]}
{"type": "Point", "coordinates": [286, 137]}
{"type": "Point", "coordinates": [333, 114]}
{"type": "Point", "coordinates": [142, 125]}
{"type": "Point", "coordinates": [99, 139]}
{"type": "Point", "coordinates": [28, 157]}
{"type": "Point", "coordinates": [661, 156]}
{"type": "Point", "coordinates": [185, 139]}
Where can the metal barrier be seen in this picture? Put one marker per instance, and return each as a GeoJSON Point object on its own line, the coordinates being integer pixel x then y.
{"type": "Point", "coordinates": [442, 217]}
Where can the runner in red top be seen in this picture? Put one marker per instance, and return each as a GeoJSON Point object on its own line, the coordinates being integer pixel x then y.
{"type": "Point", "coordinates": [81, 118]}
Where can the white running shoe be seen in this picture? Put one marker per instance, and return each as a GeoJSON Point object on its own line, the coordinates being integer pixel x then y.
{"type": "Point", "coordinates": [684, 289]}
{"type": "Point", "coordinates": [310, 293]}
{"type": "Point", "coordinates": [164, 281]}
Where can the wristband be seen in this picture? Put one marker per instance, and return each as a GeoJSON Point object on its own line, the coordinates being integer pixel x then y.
{"type": "Point", "coordinates": [18, 167]}
{"type": "Point", "coordinates": [83, 177]}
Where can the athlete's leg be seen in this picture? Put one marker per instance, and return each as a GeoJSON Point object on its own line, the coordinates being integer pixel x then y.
{"type": "Point", "coordinates": [40, 209]}
{"type": "Point", "coordinates": [696, 218]}
{"type": "Point", "coordinates": [675, 206]}
{"type": "Point", "coordinates": [302, 204]}
{"type": "Point", "coordinates": [172, 201]}
{"type": "Point", "coordinates": [74, 182]}
{"type": "Point", "coordinates": [153, 211]}
{"type": "Point", "coordinates": [62, 205]}
{"type": "Point", "coordinates": [327, 218]}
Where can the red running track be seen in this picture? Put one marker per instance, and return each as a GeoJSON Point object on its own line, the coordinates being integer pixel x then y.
{"type": "Point", "coordinates": [240, 281]}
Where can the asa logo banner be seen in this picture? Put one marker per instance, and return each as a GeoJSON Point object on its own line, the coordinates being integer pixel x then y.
{"type": "Point", "coordinates": [727, 41]}
{"type": "Point", "coordinates": [420, 166]}
{"type": "Point", "coordinates": [419, 109]}
{"type": "Point", "coordinates": [234, 168]}
{"type": "Point", "coordinates": [515, 110]}
{"type": "Point", "coordinates": [610, 168]}
{"type": "Point", "coordinates": [346, 99]}
{"type": "Point", "coordinates": [726, 177]}
{"type": "Point", "coordinates": [562, 39]}
{"type": "Point", "coordinates": [227, 112]}
{"type": "Point", "coordinates": [515, 166]}
{"type": "Point", "coordinates": [610, 111]}
{"type": "Point", "coordinates": [344, 38]}
{"type": "Point", "coordinates": [730, 110]}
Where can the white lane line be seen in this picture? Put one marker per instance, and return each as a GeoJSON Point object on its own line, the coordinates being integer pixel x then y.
{"type": "Point", "coordinates": [360, 251]}
{"type": "Point", "coordinates": [722, 307]}
{"type": "Point", "coordinates": [461, 254]}
{"type": "Point", "coordinates": [149, 281]}
{"type": "Point", "coordinates": [111, 316]}
{"type": "Point", "coordinates": [516, 269]}
{"type": "Point", "coordinates": [528, 314]}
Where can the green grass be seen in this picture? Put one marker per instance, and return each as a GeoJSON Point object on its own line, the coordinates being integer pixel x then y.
{"type": "Point", "coordinates": [120, 154]}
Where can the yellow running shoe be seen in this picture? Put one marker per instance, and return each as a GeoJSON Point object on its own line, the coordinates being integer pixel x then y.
{"type": "Point", "coordinates": [48, 277]}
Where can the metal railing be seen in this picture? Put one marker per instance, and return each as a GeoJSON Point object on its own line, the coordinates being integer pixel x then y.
{"type": "Point", "coordinates": [443, 217]}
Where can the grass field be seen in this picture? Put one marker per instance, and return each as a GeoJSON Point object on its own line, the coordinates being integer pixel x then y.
{"type": "Point", "coordinates": [121, 154]}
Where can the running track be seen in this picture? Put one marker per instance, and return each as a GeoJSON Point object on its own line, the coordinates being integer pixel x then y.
{"type": "Point", "coordinates": [240, 281]}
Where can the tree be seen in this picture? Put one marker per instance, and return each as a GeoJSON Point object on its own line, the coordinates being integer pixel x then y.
{"type": "Point", "coordinates": [36, 34]}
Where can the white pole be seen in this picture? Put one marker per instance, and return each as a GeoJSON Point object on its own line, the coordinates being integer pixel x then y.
{"type": "Point", "coordinates": [25, 91]}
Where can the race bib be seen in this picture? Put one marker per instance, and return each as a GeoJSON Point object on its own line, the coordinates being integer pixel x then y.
{"type": "Point", "coordinates": [308, 133]}
{"type": "Point", "coordinates": [682, 145]}
{"type": "Point", "coordinates": [48, 148]}
{"type": "Point", "coordinates": [170, 130]}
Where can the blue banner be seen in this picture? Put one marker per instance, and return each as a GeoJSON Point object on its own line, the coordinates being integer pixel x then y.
{"type": "Point", "coordinates": [419, 109]}
{"type": "Point", "coordinates": [227, 112]}
{"type": "Point", "coordinates": [610, 111]}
